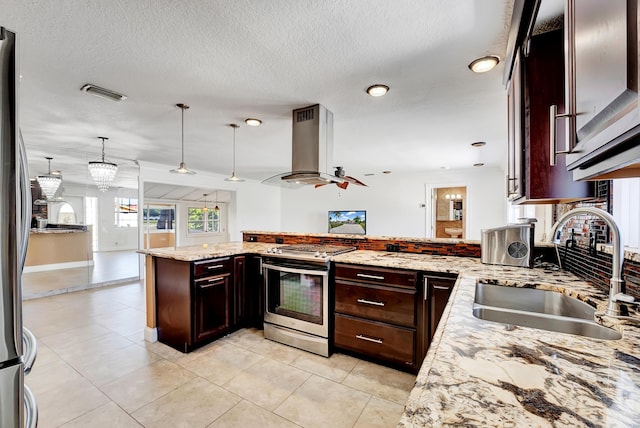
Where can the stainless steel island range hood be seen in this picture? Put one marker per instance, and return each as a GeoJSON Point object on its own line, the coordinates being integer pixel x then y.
{"type": "Point", "coordinates": [312, 151]}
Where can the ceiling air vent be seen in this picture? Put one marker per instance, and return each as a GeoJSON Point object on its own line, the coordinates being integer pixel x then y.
{"type": "Point", "coordinates": [304, 115]}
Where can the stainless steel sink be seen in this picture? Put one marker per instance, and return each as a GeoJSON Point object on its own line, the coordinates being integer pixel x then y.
{"type": "Point", "coordinates": [546, 310]}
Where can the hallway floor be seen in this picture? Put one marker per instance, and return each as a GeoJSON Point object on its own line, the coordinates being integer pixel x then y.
{"type": "Point", "coordinates": [94, 369]}
{"type": "Point", "coordinates": [109, 268]}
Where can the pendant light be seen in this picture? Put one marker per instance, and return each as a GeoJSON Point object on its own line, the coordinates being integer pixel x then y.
{"type": "Point", "coordinates": [216, 209]}
{"type": "Point", "coordinates": [49, 183]}
{"type": "Point", "coordinates": [233, 177]}
{"type": "Point", "coordinates": [182, 169]}
{"type": "Point", "coordinates": [205, 209]}
{"type": "Point", "coordinates": [103, 172]}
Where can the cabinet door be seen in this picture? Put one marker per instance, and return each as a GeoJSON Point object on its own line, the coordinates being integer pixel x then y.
{"type": "Point", "coordinates": [239, 291]}
{"type": "Point", "coordinates": [515, 132]}
{"type": "Point", "coordinates": [254, 292]}
{"type": "Point", "coordinates": [603, 84]}
{"type": "Point", "coordinates": [212, 311]}
{"type": "Point", "coordinates": [439, 291]}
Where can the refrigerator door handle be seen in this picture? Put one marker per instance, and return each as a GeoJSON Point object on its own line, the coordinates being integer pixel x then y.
{"type": "Point", "coordinates": [31, 414]}
{"type": "Point", "coordinates": [30, 349]}
{"type": "Point", "coordinates": [25, 199]}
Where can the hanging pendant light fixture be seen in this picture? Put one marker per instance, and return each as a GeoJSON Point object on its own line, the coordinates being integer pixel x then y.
{"type": "Point", "coordinates": [216, 210]}
{"type": "Point", "coordinates": [233, 177]}
{"type": "Point", "coordinates": [182, 169]}
{"type": "Point", "coordinates": [205, 209]}
{"type": "Point", "coordinates": [103, 172]}
{"type": "Point", "coordinates": [49, 183]}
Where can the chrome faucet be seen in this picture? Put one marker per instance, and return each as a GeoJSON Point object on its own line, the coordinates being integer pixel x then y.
{"type": "Point", "coordinates": [615, 283]}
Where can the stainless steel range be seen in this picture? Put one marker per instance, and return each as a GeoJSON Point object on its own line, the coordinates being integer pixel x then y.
{"type": "Point", "coordinates": [296, 279]}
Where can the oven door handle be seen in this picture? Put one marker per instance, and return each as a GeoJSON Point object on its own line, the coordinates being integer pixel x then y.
{"type": "Point", "coordinates": [266, 266]}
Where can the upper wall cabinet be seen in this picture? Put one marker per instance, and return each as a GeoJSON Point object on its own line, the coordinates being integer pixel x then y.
{"type": "Point", "coordinates": [536, 84]}
{"type": "Point", "coordinates": [602, 89]}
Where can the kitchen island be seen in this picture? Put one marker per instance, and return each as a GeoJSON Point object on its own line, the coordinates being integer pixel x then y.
{"type": "Point", "coordinates": [58, 248]}
{"type": "Point", "coordinates": [481, 373]}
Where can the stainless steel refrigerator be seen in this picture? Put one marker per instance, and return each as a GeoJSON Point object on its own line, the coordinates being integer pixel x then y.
{"type": "Point", "coordinates": [17, 346]}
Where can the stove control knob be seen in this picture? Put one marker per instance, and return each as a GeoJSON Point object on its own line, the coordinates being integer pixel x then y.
{"type": "Point", "coordinates": [324, 255]}
{"type": "Point", "coordinates": [279, 251]}
{"type": "Point", "coordinates": [317, 254]}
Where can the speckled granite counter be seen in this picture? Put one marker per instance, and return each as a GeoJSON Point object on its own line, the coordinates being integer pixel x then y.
{"type": "Point", "coordinates": [200, 252]}
{"type": "Point", "coordinates": [481, 373]}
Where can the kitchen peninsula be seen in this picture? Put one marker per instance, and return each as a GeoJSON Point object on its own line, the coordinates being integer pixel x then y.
{"type": "Point", "coordinates": [483, 373]}
{"type": "Point", "coordinates": [59, 247]}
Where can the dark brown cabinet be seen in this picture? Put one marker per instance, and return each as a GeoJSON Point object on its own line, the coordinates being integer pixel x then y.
{"type": "Point", "coordinates": [438, 289]}
{"type": "Point", "coordinates": [603, 88]}
{"type": "Point", "coordinates": [377, 312]}
{"type": "Point", "coordinates": [537, 83]}
{"type": "Point", "coordinates": [195, 301]}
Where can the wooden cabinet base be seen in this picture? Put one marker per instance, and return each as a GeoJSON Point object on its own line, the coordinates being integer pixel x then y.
{"type": "Point", "coordinates": [377, 340]}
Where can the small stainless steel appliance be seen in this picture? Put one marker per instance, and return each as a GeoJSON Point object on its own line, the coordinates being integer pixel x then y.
{"type": "Point", "coordinates": [510, 245]}
{"type": "Point", "coordinates": [296, 279]}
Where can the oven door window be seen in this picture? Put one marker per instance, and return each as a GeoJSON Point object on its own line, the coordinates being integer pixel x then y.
{"type": "Point", "coordinates": [295, 295]}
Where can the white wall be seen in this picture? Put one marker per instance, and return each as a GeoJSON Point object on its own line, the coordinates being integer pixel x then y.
{"type": "Point", "coordinates": [110, 237]}
{"type": "Point", "coordinates": [252, 206]}
{"type": "Point", "coordinates": [394, 202]}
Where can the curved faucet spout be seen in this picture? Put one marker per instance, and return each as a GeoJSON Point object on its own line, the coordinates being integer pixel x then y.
{"type": "Point", "coordinates": [616, 282]}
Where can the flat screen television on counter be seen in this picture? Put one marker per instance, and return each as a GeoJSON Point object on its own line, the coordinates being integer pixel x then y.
{"type": "Point", "coordinates": [349, 222]}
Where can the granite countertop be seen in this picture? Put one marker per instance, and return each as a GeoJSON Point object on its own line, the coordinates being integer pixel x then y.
{"type": "Point", "coordinates": [482, 373]}
{"type": "Point", "coordinates": [54, 231]}
{"type": "Point", "coordinates": [194, 253]}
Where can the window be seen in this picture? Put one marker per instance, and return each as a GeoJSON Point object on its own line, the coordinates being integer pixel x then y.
{"type": "Point", "coordinates": [126, 212]}
{"type": "Point", "coordinates": [66, 215]}
{"type": "Point", "coordinates": [159, 217]}
{"type": "Point", "coordinates": [203, 220]}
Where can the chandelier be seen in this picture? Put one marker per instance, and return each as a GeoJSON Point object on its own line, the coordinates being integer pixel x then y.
{"type": "Point", "coordinates": [103, 172]}
{"type": "Point", "coordinates": [49, 183]}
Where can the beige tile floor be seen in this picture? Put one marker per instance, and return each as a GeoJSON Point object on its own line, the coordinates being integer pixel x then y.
{"type": "Point", "coordinates": [95, 370]}
{"type": "Point", "coordinates": [109, 268]}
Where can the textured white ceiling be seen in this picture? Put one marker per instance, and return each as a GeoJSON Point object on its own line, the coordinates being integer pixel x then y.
{"type": "Point", "coordinates": [260, 58]}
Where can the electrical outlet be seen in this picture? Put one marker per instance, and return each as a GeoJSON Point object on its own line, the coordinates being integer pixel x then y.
{"type": "Point", "coordinates": [279, 240]}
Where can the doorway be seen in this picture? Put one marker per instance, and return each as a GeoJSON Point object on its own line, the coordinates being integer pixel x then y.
{"type": "Point", "coordinates": [449, 211]}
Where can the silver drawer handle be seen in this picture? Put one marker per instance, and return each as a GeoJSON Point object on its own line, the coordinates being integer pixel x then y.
{"type": "Point", "coordinates": [370, 302]}
{"type": "Point", "coordinates": [368, 339]}
{"type": "Point", "coordinates": [215, 267]}
{"type": "Point", "coordinates": [440, 287]}
{"type": "Point", "coordinates": [364, 275]}
{"type": "Point", "coordinates": [212, 282]}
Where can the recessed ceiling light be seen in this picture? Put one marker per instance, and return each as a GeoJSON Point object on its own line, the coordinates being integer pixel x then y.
{"type": "Point", "coordinates": [377, 90]}
{"type": "Point", "coordinates": [102, 92]}
{"type": "Point", "coordinates": [478, 164]}
{"type": "Point", "coordinates": [369, 174]}
{"type": "Point", "coordinates": [386, 172]}
{"type": "Point", "coordinates": [484, 64]}
{"type": "Point", "coordinates": [478, 144]}
{"type": "Point", "coordinates": [251, 121]}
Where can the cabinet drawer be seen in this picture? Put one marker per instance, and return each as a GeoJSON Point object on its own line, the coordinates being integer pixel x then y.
{"type": "Point", "coordinates": [212, 267]}
{"type": "Point", "coordinates": [375, 339]}
{"type": "Point", "coordinates": [396, 277]}
{"type": "Point", "coordinates": [393, 305]}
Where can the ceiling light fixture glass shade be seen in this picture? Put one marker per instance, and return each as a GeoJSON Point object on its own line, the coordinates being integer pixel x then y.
{"type": "Point", "coordinates": [251, 121]}
{"type": "Point", "coordinates": [182, 168]}
{"type": "Point", "coordinates": [103, 172]}
{"type": "Point", "coordinates": [217, 208]}
{"type": "Point", "coordinates": [377, 90]}
{"type": "Point", "coordinates": [484, 64]}
{"type": "Point", "coordinates": [49, 183]}
{"type": "Point", "coordinates": [233, 177]}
